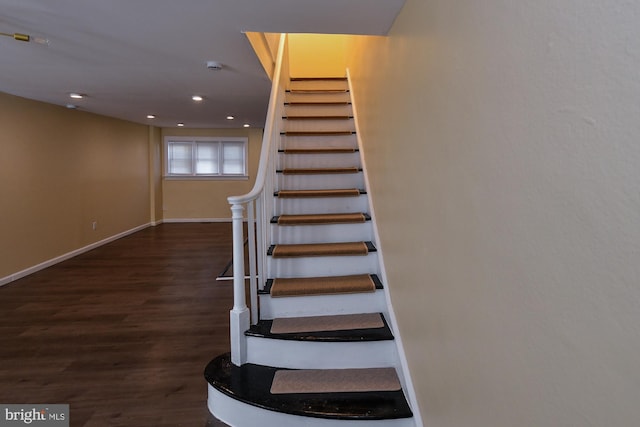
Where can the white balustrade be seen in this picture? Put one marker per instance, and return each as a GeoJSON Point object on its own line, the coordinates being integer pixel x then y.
{"type": "Point", "coordinates": [259, 207]}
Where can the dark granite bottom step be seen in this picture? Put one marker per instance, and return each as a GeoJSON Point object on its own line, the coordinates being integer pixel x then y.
{"type": "Point", "coordinates": [263, 330]}
{"type": "Point", "coordinates": [251, 384]}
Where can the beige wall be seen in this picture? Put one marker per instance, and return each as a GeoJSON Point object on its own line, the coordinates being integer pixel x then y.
{"type": "Point", "coordinates": [60, 170]}
{"type": "Point", "coordinates": [317, 55]}
{"type": "Point", "coordinates": [207, 199]}
{"type": "Point", "coordinates": [502, 141]}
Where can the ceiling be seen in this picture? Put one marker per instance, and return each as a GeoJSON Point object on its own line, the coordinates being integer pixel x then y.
{"type": "Point", "coordinates": [137, 57]}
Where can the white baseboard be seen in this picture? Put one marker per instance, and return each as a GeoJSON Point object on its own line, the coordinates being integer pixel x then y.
{"type": "Point", "coordinates": [175, 220]}
{"type": "Point", "coordinates": [56, 260]}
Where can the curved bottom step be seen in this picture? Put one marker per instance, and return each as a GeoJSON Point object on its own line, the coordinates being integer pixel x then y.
{"type": "Point", "coordinates": [241, 396]}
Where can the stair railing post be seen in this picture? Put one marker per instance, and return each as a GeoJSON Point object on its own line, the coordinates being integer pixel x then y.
{"type": "Point", "coordinates": [239, 315]}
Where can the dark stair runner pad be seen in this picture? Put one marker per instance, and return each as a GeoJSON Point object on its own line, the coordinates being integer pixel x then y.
{"type": "Point", "coordinates": [283, 287]}
{"type": "Point", "coordinates": [346, 192]}
{"type": "Point", "coordinates": [320, 249]}
{"type": "Point", "coordinates": [335, 380]}
{"type": "Point", "coordinates": [321, 219]}
{"type": "Point", "coordinates": [326, 323]}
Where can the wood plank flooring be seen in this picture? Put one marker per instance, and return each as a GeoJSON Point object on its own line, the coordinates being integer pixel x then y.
{"type": "Point", "coordinates": [122, 333]}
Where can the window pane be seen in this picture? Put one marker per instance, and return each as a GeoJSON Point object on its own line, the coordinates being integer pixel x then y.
{"type": "Point", "coordinates": [207, 158]}
{"type": "Point", "coordinates": [233, 158]}
{"type": "Point", "coordinates": [179, 158]}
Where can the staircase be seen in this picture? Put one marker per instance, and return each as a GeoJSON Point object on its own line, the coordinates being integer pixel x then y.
{"type": "Point", "coordinates": [320, 351]}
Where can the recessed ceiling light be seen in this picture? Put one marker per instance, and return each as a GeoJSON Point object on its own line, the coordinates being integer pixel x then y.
{"type": "Point", "coordinates": [230, 117]}
{"type": "Point", "coordinates": [76, 95]}
{"type": "Point", "coordinates": [71, 106]}
{"type": "Point", "coordinates": [246, 125]}
{"type": "Point", "coordinates": [197, 98]}
{"type": "Point", "coordinates": [151, 116]}
{"type": "Point", "coordinates": [180, 124]}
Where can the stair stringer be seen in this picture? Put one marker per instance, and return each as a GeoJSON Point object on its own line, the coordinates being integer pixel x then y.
{"type": "Point", "coordinates": [403, 367]}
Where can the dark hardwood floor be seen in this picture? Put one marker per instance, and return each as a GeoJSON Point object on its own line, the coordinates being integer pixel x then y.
{"type": "Point", "coordinates": [122, 333]}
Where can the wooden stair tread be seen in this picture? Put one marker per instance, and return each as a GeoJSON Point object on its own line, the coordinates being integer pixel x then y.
{"type": "Point", "coordinates": [314, 79]}
{"type": "Point", "coordinates": [321, 249]}
{"type": "Point", "coordinates": [321, 219]}
{"type": "Point", "coordinates": [340, 192]}
{"type": "Point", "coordinates": [345, 117]}
{"type": "Point", "coordinates": [318, 133]}
{"type": "Point", "coordinates": [317, 103]}
{"type": "Point", "coordinates": [319, 171]}
{"type": "Point", "coordinates": [251, 384]}
{"type": "Point", "coordinates": [307, 331]}
{"type": "Point", "coordinates": [319, 150]}
{"type": "Point", "coordinates": [317, 91]}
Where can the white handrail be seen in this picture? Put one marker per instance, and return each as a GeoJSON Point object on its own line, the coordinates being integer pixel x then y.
{"type": "Point", "coordinates": [257, 205]}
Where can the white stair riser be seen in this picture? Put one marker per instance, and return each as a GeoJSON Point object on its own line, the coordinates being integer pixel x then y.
{"type": "Point", "coordinates": [320, 355]}
{"type": "Point", "coordinates": [317, 97]}
{"type": "Point", "coordinates": [325, 141]}
{"type": "Point", "coordinates": [239, 414]}
{"type": "Point", "coordinates": [322, 305]}
{"type": "Point", "coordinates": [323, 266]}
{"type": "Point", "coordinates": [321, 205]}
{"type": "Point", "coordinates": [318, 85]}
{"type": "Point", "coordinates": [324, 181]}
{"type": "Point", "coordinates": [294, 234]}
{"type": "Point", "coordinates": [318, 125]}
{"type": "Point", "coordinates": [339, 160]}
{"type": "Point", "coordinates": [318, 110]}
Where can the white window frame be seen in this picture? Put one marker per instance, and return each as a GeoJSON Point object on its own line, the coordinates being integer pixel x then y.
{"type": "Point", "coordinates": [193, 142]}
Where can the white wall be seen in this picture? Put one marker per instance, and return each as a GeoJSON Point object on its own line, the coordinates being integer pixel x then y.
{"type": "Point", "coordinates": [503, 141]}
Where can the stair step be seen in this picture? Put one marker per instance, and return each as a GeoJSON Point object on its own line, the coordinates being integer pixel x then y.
{"type": "Point", "coordinates": [321, 249]}
{"type": "Point", "coordinates": [251, 384]}
{"type": "Point", "coordinates": [316, 103]}
{"type": "Point", "coordinates": [329, 285]}
{"type": "Point", "coordinates": [315, 79]}
{"type": "Point", "coordinates": [317, 117]}
{"type": "Point", "coordinates": [340, 192]}
{"type": "Point", "coordinates": [337, 328]}
{"type": "Point", "coordinates": [317, 91]}
{"type": "Point", "coordinates": [318, 150]}
{"type": "Point", "coordinates": [318, 171]}
{"type": "Point", "coordinates": [318, 133]}
{"type": "Point", "coordinates": [318, 219]}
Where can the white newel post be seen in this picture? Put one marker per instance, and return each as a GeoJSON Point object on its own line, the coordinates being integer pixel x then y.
{"type": "Point", "coordinates": [239, 316]}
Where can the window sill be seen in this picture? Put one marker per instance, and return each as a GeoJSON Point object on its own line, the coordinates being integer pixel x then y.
{"type": "Point", "coordinates": [207, 178]}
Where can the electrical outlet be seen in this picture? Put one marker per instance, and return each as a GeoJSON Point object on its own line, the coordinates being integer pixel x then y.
{"type": "Point", "coordinates": [94, 225]}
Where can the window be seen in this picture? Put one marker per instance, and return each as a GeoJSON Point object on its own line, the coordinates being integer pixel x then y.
{"type": "Point", "coordinates": [206, 157]}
